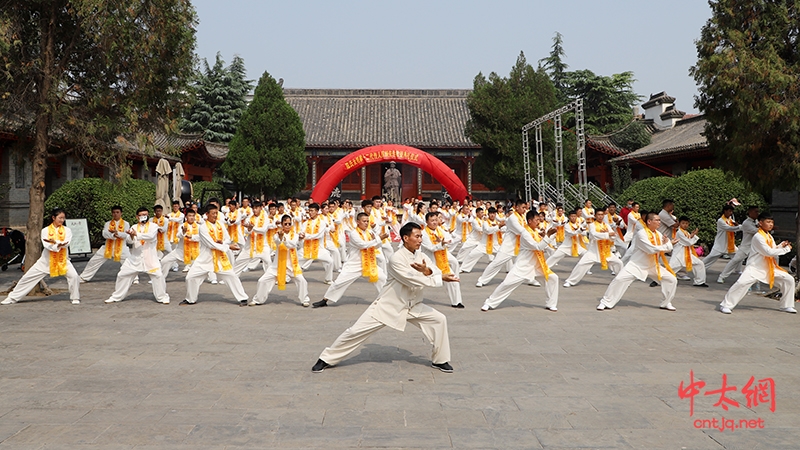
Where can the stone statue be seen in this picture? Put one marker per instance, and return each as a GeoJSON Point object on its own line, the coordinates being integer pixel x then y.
{"type": "Point", "coordinates": [391, 183]}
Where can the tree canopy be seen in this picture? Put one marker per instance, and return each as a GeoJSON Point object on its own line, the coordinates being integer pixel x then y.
{"type": "Point", "coordinates": [220, 100]}
{"type": "Point", "coordinates": [267, 153]}
{"type": "Point", "coordinates": [88, 72]}
{"type": "Point", "coordinates": [499, 107]}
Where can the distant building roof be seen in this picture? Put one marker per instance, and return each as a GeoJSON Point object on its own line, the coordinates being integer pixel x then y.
{"type": "Point", "coordinates": [672, 113]}
{"type": "Point", "coordinates": [355, 118]}
{"type": "Point", "coordinates": [656, 99]}
{"type": "Point", "coordinates": [685, 137]}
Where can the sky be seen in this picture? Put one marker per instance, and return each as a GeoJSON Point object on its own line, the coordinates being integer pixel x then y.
{"type": "Point", "coordinates": [432, 44]}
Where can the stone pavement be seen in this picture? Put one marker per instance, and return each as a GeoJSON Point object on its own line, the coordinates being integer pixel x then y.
{"type": "Point", "coordinates": [216, 376]}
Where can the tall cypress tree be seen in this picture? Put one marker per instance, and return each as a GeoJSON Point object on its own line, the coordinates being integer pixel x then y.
{"type": "Point", "coordinates": [267, 153]}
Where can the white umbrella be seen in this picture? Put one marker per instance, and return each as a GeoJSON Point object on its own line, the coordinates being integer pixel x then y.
{"type": "Point", "coordinates": [177, 177]}
{"type": "Point", "coordinates": [163, 170]}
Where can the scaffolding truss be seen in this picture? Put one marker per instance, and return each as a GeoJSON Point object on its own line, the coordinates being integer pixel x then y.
{"type": "Point", "coordinates": [542, 187]}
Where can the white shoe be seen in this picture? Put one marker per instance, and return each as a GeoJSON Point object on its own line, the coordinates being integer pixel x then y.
{"type": "Point", "coordinates": [111, 300]}
{"type": "Point", "coordinates": [175, 268]}
{"type": "Point", "coordinates": [613, 273]}
{"type": "Point", "coordinates": [589, 272]}
{"type": "Point", "coordinates": [214, 282]}
{"type": "Point", "coordinates": [150, 282]}
{"type": "Point", "coordinates": [478, 284]}
{"type": "Point", "coordinates": [554, 309]}
{"type": "Point", "coordinates": [81, 280]}
{"type": "Point", "coordinates": [165, 301]}
{"type": "Point", "coordinates": [535, 283]}
{"type": "Point", "coordinates": [186, 269]}
{"type": "Point", "coordinates": [669, 307]}
{"type": "Point", "coordinates": [684, 277]}
{"type": "Point", "coordinates": [328, 281]}
{"type": "Point", "coordinates": [567, 284]}
{"type": "Point", "coordinates": [221, 282]}
{"type": "Point", "coordinates": [789, 310]}
{"type": "Point", "coordinates": [720, 280]}
{"type": "Point", "coordinates": [136, 281]}
{"type": "Point", "coordinates": [724, 310]}
{"type": "Point", "coordinates": [485, 308]}
{"type": "Point", "coordinates": [8, 301]}
{"type": "Point", "coordinates": [602, 306]}
{"type": "Point", "coordinates": [76, 302]}
{"type": "Point", "coordinates": [306, 302]}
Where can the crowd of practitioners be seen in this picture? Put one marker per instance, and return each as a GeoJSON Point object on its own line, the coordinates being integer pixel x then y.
{"type": "Point", "coordinates": [436, 244]}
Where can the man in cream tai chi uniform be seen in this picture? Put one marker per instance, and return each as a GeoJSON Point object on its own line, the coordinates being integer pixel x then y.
{"type": "Point", "coordinates": [114, 232]}
{"type": "Point", "coordinates": [400, 301]}
{"type": "Point", "coordinates": [600, 248]}
{"type": "Point", "coordinates": [762, 266]}
{"type": "Point", "coordinates": [724, 242]}
{"type": "Point", "coordinates": [515, 225]}
{"type": "Point", "coordinates": [361, 261]}
{"type": "Point", "coordinates": [214, 257]}
{"type": "Point", "coordinates": [573, 244]}
{"type": "Point", "coordinates": [435, 243]}
{"type": "Point", "coordinates": [143, 258]}
{"type": "Point", "coordinates": [683, 254]}
{"type": "Point", "coordinates": [313, 248]}
{"type": "Point", "coordinates": [286, 264]}
{"type": "Point", "coordinates": [645, 260]}
{"type": "Point", "coordinates": [749, 229]}
{"type": "Point", "coordinates": [530, 261]}
{"type": "Point", "coordinates": [257, 249]}
{"type": "Point", "coordinates": [186, 245]}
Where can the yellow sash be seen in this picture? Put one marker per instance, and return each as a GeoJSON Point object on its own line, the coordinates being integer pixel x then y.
{"type": "Point", "coordinates": [588, 212]}
{"type": "Point", "coordinates": [159, 221]}
{"type": "Point", "coordinates": [559, 228]}
{"type": "Point", "coordinates": [439, 255]}
{"type": "Point", "coordinates": [191, 249]}
{"type": "Point", "coordinates": [233, 230]}
{"type": "Point", "coordinates": [311, 246]}
{"type": "Point", "coordinates": [655, 239]}
{"type": "Point", "coordinates": [688, 252]}
{"type": "Point", "coordinates": [114, 245]}
{"type": "Point", "coordinates": [489, 238]}
{"type": "Point", "coordinates": [221, 262]}
{"type": "Point", "coordinates": [284, 254]}
{"type": "Point", "coordinates": [172, 228]}
{"type": "Point", "coordinates": [525, 225]}
{"type": "Point", "coordinates": [576, 239]}
{"type": "Point", "coordinates": [140, 231]}
{"type": "Point", "coordinates": [731, 235]}
{"type": "Point", "coordinates": [335, 232]}
{"type": "Point", "coordinates": [603, 245]}
{"type": "Point", "coordinates": [616, 228]}
{"type": "Point", "coordinates": [271, 234]}
{"type": "Point", "coordinates": [771, 264]}
{"type": "Point", "coordinates": [538, 254]}
{"type": "Point", "coordinates": [369, 262]}
{"type": "Point", "coordinates": [257, 239]}
{"type": "Point", "coordinates": [58, 260]}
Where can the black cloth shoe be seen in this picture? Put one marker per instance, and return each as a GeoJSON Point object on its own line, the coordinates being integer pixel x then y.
{"type": "Point", "coordinates": [459, 306]}
{"type": "Point", "coordinates": [654, 284]}
{"type": "Point", "coordinates": [242, 302]}
{"type": "Point", "coordinates": [320, 304]}
{"type": "Point", "coordinates": [700, 285]}
{"type": "Point", "coordinates": [444, 367]}
{"type": "Point", "coordinates": [185, 302]}
{"type": "Point", "coordinates": [320, 366]}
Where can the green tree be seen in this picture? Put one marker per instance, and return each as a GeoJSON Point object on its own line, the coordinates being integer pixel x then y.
{"type": "Point", "coordinates": [607, 101]}
{"type": "Point", "coordinates": [220, 100]}
{"type": "Point", "coordinates": [747, 71]}
{"type": "Point", "coordinates": [89, 72]}
{"type": "Point", "coordinates": [555, 66]}
{"type": "Point", "coordinates": [267, 153]}
{"type": "Point", "coordinates": [499, 108]}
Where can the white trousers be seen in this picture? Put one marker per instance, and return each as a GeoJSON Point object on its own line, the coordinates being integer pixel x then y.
{"type": "Point", "coordinates": [713, 256]}
{"type": "Point", "coordinates": [432, 323]}
{"type": "Point", "coordinates": [698, 268]}
{"type": "Point", "coordinates": [97, 260]}
{"type": "Point", "coordinates": [324, 256]}
{"type": "Point", "coordinates": [125, 278]}
{"type": "Point", "coordinates": [244, 260]}
{"type": "Point", "coordinates": [783, 281]}
{"type": "Point", "coordinates": [35, 274]}
{"type": "Point", "coordinates": [350, 273]}
{"type": "Point", "coordinates": [172, 258]}
{"type": "Point", "coordinates": [560, 253]}
{"type": "Point", "coordinates": [473, 257]}
{"type": "Point", "coordinates": [586, 263]}
{"type": "Point", "coordinates": [466, 249]}
{"type": "Point", "coordinates": [336, 256]}
{"type": "Point", "coordinates": [268, 280]}
{"type": "Point", "coordinates": [502, 259]}
{"type": "Point", "coordinates": [453, 288]}
{"type": "Point", "coordinates": [735, 263]}
{"type": "Point", "coordinates": [195, 276]}
{"type": "Point", "coordinates": [625, 277]}
{"type": "Point", "coordinates": [514, 279]}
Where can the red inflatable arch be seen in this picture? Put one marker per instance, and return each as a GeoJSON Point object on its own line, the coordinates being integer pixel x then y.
{"type": "Point", "coordinates": [383, 154]}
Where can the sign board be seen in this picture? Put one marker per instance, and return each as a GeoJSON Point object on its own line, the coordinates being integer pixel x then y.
{"type": "Point", "coordinates": [80, 243]}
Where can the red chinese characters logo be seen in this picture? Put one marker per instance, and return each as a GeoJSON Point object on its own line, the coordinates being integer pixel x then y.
{"type": "Point", "coordinates": [762, 392]}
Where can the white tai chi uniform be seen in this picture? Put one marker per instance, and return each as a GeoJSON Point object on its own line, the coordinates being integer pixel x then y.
{"type": "Point", "coordinates": [381, 226]}
{"type": "Point", "coordinates": [143, 258]}
{"type": "Point", "coordinates": [163, 225]}
{"type": "Point", "coordinates": [683, 252]}
{"type": "Point", "coordinates": [473, 240]}
{"type": "Point", "coordinates": [525, 268]}
{"type": "Point", "coordinates": [352, 267]}
{"type": "Point", "coordinates": [749, 229]}
{"type": "Point", "coordinates": [618, 231]}
{"type": "Point", "coordinates": [204, 264]}
{"type": "Point", "coordinates": [643, 263]}
{"type": "Point", "coordinates": [429, 248]}
{"type": "Point", "coordinates": [486, 244]}
{"type": "Point", "coordinates": [323, 255]}
{"type": "Point", "coordinates": [763, 254]}
{"type": "Point", "coordinates": [515, 225]}
{"type": "Point", "coordinates": [599, 234]}
{"type": "Point", "coordinates": [399, 302]}
{"type": "Point", "coordinates": [573, 244]}
{"type": "Point", "coordinates": [41, 269]}
{"type": "Point", "coordinates": [268, 280]}
{"type": "Point", "coordinates": [99, 258]}
{"type": "Point", "coordinates": [633, 226]}
{"type": "Point", "coordinates": [257, 237]}
{"type": "Point", "coordinates": [722, 242]}
{"type": "Point", "coordinates": [178, 255]}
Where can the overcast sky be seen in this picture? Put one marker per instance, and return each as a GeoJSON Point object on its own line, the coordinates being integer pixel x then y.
{"type": "Point", "coordinates": [433, 44]}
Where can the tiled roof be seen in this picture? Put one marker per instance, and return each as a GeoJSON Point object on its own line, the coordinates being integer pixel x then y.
{"type": "Point", "coordinates": [342, 118]}
{"type": "Point", "coordinates": [672, 113]}
{"type": "Point", "coordinates": [685, 137]}
{"type": "Point", "coordinates": [656, 99]}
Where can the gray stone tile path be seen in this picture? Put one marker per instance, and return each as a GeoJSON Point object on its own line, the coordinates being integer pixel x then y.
{"type": "Point", "coordinates": [216, 376]}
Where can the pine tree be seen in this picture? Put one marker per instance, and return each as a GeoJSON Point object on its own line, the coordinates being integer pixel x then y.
{"type": "Point", "coordinates": [555, 66]}
{"type": "Point", "coordinates": [220, 100]}
{"type": "Point", "coordinates": [267, 153]}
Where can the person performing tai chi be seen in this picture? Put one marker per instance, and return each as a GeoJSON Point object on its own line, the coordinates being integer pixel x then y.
{"type": "Point", "coordinates": [286, 264]}
{"type": "Point", "coordinates": [115, 233]}
{"type": "Point", "coordinates": [573, 244]}
{"type": "Point", "coordinates": [487, 241]}
{"type": "Point", "coordinates": [530, 262]}
{"type": "Point", "coordinates": [435, 241]}
{"type": "Point", "coordinates": [646, 260]}
{"type": "Point", "coordinates": [187, 245]}
{"type": "Point", "coordinates": [255, 227]}
{"type": "Point", "coordinates": [361, 261]}
{"type": "Point", "coordinates": [749, 229]}
{"type": "Point", "coordinates": [54, 262]}
{"type": "Point", "coordinates": [176, 219]}
{"type": "Point", "coordinates": [515, 225]}
{"type": "Point", "coordinates": [600, 250]}
{"type": "Point", "coordinates": [684, 255]}
{"type": "Point", "coordinates": [762, 266]}
{"type": "Point", "coordinates": [214, 257]}
{"type": "Point", "coordinates": [143, 258]}
{"type": "Point", "coordinates": [400, 302]}
{"type": "Point", "coordinates": [313, 231]}
{"type": "Point", "coordinates": [725, 241]}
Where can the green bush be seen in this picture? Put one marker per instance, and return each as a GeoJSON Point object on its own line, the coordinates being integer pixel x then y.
{"type": "Point", "coordinates": [698, 194]}
{"type": "Point", "coordinates": [213, 189]}
{"type": "Point", "coordinates": [92, 199]}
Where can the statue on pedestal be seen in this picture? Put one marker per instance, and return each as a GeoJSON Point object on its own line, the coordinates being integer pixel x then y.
{"type": "Point", "coordinates": [391, 183]}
